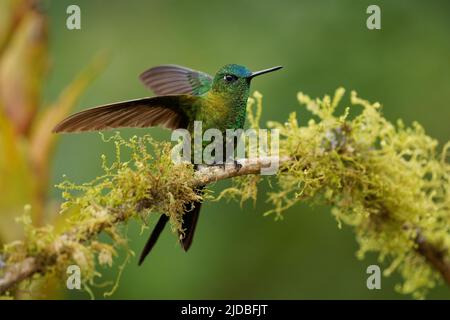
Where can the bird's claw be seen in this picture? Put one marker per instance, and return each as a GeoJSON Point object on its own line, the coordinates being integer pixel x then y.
{"type": "Point", "coordinates": [237, 165]}
{"type": "Point", "coordinates": [220, 165]}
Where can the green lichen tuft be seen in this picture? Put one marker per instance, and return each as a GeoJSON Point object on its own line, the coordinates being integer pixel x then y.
{"type": "Point", "coordinates": [389, 182]}
{"type": "Point", "coordinates": [148, 182]}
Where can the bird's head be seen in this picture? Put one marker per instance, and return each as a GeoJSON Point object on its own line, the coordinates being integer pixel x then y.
{"type": "Point", "coordinates": [235, 79]}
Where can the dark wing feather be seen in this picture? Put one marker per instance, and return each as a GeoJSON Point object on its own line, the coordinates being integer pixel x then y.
{"type": "Point", "coordinates": [173, 79]}
{"type": "Point", "coordinates": [140, 113]}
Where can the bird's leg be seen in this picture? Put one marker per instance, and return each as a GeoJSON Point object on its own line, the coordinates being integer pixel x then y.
{"type": "Point", "coordinates": [221, 164]}
{"type": "Point", "coordinates": [218, 161]}
{"type": "Point", "coordinates": [237, 165]}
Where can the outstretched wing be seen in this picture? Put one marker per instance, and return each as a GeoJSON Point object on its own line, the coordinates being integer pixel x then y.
{"type": "Point", "coordinates": [170, 111]}
{"type": "Point", "coordinates": [173, 79]}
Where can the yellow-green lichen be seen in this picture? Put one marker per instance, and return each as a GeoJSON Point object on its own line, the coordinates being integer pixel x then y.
{"type": "Point", "coordinates": [148, 182]}
{"type": "Point", "coordinates": [389, 182]}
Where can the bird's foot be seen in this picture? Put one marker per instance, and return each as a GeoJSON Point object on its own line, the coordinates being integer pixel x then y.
{"type": "Point", "coordinates": [237, 165]}
{"type": "Point", "coordinates": [219, 164]}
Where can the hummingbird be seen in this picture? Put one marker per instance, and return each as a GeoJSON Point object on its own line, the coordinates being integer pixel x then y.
{"type": "Point", "coordinates": [182, 96]}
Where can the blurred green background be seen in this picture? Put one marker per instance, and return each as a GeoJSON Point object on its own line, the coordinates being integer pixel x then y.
{"type": "Point", "coordinates": [238, 253]}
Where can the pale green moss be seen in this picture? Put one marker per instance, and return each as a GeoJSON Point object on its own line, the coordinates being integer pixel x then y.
{"type": "Point", "coordinates": [145, 183]}
{"type": "Point", "coordinates": [388, 182]}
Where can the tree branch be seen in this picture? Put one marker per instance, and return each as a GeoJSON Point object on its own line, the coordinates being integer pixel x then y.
{"type": "Point", "coordinates": [15, 273]}
{"type": "Point", "coordinates": [18, 272]}
{"type": "Point", "coordinates": [434, 257]}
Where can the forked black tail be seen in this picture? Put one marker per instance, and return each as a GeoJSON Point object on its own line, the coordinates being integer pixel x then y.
{"type": "Point", "coordinates": [190, 219]}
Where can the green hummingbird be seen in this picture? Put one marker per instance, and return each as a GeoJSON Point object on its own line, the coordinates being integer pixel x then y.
{"type": "Point", "coordinates": [182, 96]}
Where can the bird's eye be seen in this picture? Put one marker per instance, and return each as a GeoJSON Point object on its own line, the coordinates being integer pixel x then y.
{"type": "Point", "coordinates": [230, 78]}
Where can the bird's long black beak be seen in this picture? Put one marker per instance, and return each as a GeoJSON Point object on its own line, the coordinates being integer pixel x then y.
{"type": "Point", "coordinates": [258, 73]}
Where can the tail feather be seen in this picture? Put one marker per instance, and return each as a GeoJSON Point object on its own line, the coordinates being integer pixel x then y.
{"type": "Point", "coordinates": [190, 219]}
{"type": "Point", "coordinates": [153, 237]}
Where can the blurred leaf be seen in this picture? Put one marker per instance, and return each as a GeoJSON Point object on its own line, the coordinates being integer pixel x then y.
{"type": "Point", "coordinates": [22, 69]}
{"type": "Point", "coordinates": [11, 12]}
{"type": "Point", "coordinates": [42, 139]}
{"type": "Point", "coordinates": [16, 182]}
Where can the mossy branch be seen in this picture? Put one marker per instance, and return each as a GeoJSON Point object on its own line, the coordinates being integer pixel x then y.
{"type": "Point", "coordinates": [388, 182]}
{"type": "Point", "coordinates": [207, 175]}
{"type": "Point", "coordinates": [40, 263]}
